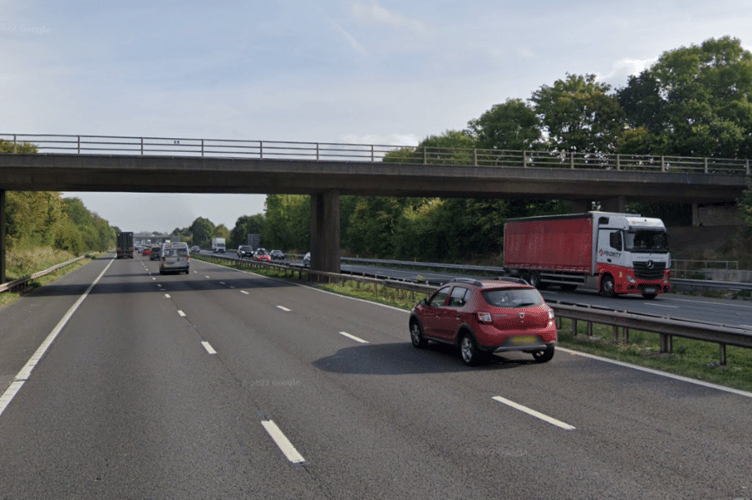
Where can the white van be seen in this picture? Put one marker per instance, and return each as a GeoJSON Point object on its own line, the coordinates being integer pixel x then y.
{"type": "Point", "coordinates": [174, 258]}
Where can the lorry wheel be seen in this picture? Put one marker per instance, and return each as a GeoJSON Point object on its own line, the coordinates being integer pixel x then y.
{"type": "Point", "coordinates": [607, 286]}
{"type": "Point", "coordinates": [535, 280]}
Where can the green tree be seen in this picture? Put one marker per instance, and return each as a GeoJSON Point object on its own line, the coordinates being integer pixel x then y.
{"type": "Point", "coordinates": [245, 225]}
{"type": "Point", "coordinates": [287, 222]}
{"type": "Point", "coordinates": [202, 230]}
{"type": "Point", "coordinates": [579, 114]}
{"type": "Point", "coordinates": [509, 126]}
{"type": "Point", "coordinates": [696, 99]}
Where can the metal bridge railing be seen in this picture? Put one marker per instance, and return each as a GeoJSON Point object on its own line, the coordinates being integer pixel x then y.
{"type": "Point", "coordinates": [238, 148]}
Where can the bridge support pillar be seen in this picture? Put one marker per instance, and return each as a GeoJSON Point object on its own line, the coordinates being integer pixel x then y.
{"type": "Point", "coordinates": [2, 236]}
{"type": "Point", "coordinates": [325, 236]}
{"type": "Point", "coordinates": [618, 204]}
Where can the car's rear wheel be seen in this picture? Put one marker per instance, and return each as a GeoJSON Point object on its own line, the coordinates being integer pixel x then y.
{"type": "Point", "coordinates": [469, 352]}
{"type": "Point", "coordinates": [416, 335]}
{"type": "Point", "coordinates": [544, 356]}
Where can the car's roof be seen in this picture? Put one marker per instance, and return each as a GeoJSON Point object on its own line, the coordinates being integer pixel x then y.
{"type": "Point", "coordinates": [486, 284]}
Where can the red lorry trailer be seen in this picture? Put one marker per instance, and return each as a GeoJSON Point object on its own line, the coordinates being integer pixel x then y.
{"type": "Point", "coordinates": [613, 252]}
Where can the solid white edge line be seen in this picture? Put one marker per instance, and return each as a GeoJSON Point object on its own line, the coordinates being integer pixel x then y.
{"type": "Point", "coordinates": [356, 339]}
{"type": "Point", "coordinates": [563, 349]}
{"type": "Point", "coordinates": [243, 292]}
{"type": "Point", "coordinates": [282, 442]}
{"type": "Point", "coordinates": [536, 414]}
{"type": "Point", "coordinates": [709, 385]}
{"type": "Point", "coordinates": [181, 313]}
{"type": "Point", "coordinates": [283, 308]}
{"type": "Point", "coordinates": [208, 347]}
{"type": "Point", "coordinates": [25, 372]}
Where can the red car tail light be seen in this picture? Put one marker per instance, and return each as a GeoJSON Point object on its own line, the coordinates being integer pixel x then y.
{"type": "Point", "coordinates": [484, 317]}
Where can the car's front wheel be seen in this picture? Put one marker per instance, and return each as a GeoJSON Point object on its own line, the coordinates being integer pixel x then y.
{"type": "Point", "coordinates": [544, 356]}
{"type": "Point", "coordinates": [471, 356]}
{"type": "Point", "coordinates": [416, 335]}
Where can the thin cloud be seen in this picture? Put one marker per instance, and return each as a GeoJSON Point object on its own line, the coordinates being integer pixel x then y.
{"type": "Point", "coordinates": [350, 39]}
{"type": "Point", "coordinates": [376, 13]}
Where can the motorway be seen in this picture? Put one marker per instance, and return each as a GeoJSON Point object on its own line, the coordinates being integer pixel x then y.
{"type": "Point", "coordinates": [225, 384]}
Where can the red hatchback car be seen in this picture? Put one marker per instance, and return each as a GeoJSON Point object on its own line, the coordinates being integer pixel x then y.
{"type": "Point", "coordinates": [484, 317]}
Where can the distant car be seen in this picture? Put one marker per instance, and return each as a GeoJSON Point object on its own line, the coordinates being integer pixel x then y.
{"type": "Point", "coordinates": [277, 255]}
{"type": "Point", "coordinates": [245, 252]}
{"type": "Point", "coordinates": [261, 255]}
{"type": "Point", "coordinates": [195, 249]}
{"type": "Point", "coordinates": [485, 317]}
{"type": "Point", "coordinates": [155, 253]}
{"type": "Point", "coordinates": [146, 251]}
{"type": "Point", "coordinates": [307, 260]}
{"type": "Point", "coordinates": [175, 258]}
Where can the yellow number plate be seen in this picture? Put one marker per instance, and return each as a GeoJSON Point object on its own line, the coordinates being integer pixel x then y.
{"type": "Point", "coordinates": [524, 340]}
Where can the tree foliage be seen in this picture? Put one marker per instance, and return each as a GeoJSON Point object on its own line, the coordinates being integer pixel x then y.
{"type": "Point", "coordinates": [694, 101]}
{"type": "Point", "coordinates": [245, 225]}
{"type": "Point", "coordinates": [510, 126]}
{"type": "Point", "coordinates": [579, 114]}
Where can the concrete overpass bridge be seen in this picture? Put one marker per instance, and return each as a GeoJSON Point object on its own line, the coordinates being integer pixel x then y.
{"type": "Point", "coordinates": [325, 171]}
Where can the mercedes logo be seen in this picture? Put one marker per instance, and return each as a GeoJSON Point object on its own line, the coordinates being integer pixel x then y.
{"type": "Point", "coordinates": [650, 264]}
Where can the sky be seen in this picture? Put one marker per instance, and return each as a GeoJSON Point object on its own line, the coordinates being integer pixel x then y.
{"type": "Point", "coordinates": [350, 71]}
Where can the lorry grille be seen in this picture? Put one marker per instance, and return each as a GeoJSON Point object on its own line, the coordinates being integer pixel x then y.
{"type": "Point", "coordinates": [649, 270]}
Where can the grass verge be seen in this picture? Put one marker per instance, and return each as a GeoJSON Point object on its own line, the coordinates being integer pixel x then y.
{"type": "Point", "coordinates": [690, 358]}
{"type": "Point", "coordinates": [28, 261]}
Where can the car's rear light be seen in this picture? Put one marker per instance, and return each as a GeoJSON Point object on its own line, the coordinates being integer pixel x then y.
{"type": "Point", "coordinates": [484, 316]}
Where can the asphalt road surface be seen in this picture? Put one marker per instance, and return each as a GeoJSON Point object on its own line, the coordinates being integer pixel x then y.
{"type": "Point", "coordinates": [224, 384]}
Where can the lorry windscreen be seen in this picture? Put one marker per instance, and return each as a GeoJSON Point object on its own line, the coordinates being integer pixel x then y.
{"type": "Point", "coordinates": [646, 241]}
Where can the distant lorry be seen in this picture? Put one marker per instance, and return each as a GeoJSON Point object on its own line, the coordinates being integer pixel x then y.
{"type": "Point", "coordinates": [614, 253]}
{"type": "Point", "coordinates": [218, 245]}
{"type": "Point", "coordinates": [124, 245]}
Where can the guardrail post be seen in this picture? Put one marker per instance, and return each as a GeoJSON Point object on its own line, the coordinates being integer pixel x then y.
{"type": "Point", "coordinates": [748, 167]}
{"type": "Point", "coordinates": [142, 146]}
{"type": "Point", "coordinates": [618, 162]}
{"type": "Point", "coordinates": [14, 143]}
{"type": "Point", "coordinates": [373, 157]}
{"type": "Point", "coordinates": [666, 346]}
{"type": "Point", "coordinates": [571, 159]}
{"type": "Point", "coordinates": [723, 354]}
{"type": "Point", "coordinates": [663, 164]}
{"type": "Point", "coordinates": [574, 327]}
{"type": "Point", "coordinates": [261, 150]}
{"type": "Point", "coordinates": [78, 144]}
{"type": "Point", "coordinates": [615, 334]}
{"type": "Point", "coordinates": [202, 147]}
{"type": "Point", "coordinates": [706, 164]}
{"type": "Point", "coordinates": [524, 159]}
{"type": "Point", "coordinates": [475, 157]}
{"type": "Point", "coordinates": [425, 158]}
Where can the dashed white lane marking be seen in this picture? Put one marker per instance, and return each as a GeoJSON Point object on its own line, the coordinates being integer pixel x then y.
{"type": "Point", "coordinates": [181, 313]}
{"type": "Point", "coordinates": [208, 347]}
{"type": "Point", "coordinates": [23, 375]}
{"type": "Point", "coordinates": [356, 339]}
{"type": "Point", "coordinates": [155, 279]}
{"type": "Point", "coordinates": [281, 440]}
{"type": "Point", "coordinates": [536, 414]}
{"type": "Point", "coordinates": [661, 305]}
{"type": "Point", "coordinates": [206, 277]}
{"type": "Point", "coordinates": [222, 283]}
{"type": "Point", "coordinates": [283, 308]}
{"type": "Point", "coordinates": [195, 272]}
{"type": "Point", "coordinates": [167, 295]}
{"type": "Point", "coordinates": [244, 292]}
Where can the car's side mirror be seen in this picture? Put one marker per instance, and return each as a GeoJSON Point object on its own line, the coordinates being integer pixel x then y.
{"type": "Point", "coordinates": [423, 301]}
